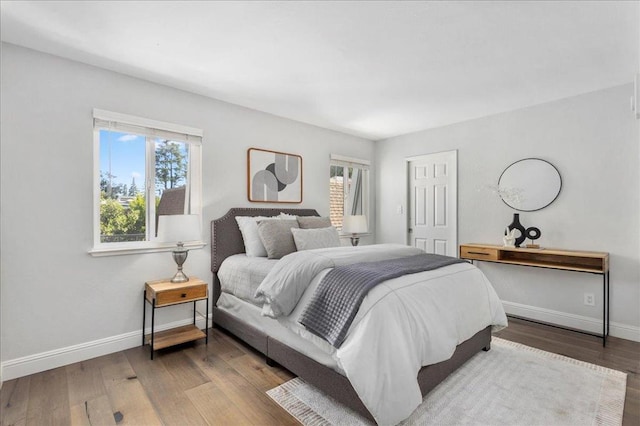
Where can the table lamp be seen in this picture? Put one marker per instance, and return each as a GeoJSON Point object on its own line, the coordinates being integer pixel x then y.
{"type": "Point", "coordinates": [354, 225]}
{"type": "Point", "coordinates": [177, 229]}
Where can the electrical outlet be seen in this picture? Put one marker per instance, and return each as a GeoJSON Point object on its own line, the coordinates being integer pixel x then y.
{"type": "Point", "coordinates": [589, 299]}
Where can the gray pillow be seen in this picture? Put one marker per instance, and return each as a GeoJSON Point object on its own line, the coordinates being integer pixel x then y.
{"type": "Point", "coordinates": [312, 222]}
{"type": "Point", "coordinates": [309, 239]}
{"type": "Point", "coordinates": [276, 237]}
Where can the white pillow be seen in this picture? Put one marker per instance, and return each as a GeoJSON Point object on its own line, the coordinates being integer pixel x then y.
{"type": "Point", "coordinates": [309, 239]}
{"type": "Point", "coordinates": [288, 216]}
{"type": "Point", "coordinates": [248, 225]}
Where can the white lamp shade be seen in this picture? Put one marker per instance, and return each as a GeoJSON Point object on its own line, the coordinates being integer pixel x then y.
{"type": "Point", "coordinates": [179, 228]}
{"type": "Point", "coordinates": [354, 224]}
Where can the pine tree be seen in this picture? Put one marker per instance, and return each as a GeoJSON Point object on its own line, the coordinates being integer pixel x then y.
{"type": "Point", "coordinates": [171, 165]}
{"type": "Point", "coordinates": [106, 186]}
{"type": "Point", "coordinates": [133, 189]}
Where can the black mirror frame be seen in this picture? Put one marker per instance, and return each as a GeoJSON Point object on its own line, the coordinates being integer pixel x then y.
{"type": "Point", "coordinates": [524, 159]}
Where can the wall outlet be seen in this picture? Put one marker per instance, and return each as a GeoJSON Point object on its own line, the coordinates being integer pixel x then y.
{"type": "Point", "coordinates": [589, 299]}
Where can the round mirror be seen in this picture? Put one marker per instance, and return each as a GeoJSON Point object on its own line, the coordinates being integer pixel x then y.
{"type": "Point", "coordinates": [530, 184]}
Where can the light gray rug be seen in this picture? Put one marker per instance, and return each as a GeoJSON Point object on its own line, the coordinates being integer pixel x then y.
{"type": "Point", "coordinates": [512, 384]}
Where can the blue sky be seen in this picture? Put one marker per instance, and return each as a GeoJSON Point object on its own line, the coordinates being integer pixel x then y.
{"type": "Point", "coordinates": [127, 154]}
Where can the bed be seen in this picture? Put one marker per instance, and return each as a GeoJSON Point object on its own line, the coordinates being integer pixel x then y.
{"type": "Point", "coordinates": [241, 317]}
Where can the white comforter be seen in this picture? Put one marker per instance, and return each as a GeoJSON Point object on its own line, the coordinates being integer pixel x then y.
{"type": "Point", "coordinates": [403, 324]}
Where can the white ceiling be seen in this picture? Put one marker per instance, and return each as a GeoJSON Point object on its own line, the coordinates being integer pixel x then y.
{"type": "Point", "coordinates": [372, 69]}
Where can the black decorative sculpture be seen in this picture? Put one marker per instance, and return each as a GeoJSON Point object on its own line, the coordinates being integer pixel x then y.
{"type": "Point", "coordinates": [533, 233]}
{"type": "Point", "coordinates": [517, 225]}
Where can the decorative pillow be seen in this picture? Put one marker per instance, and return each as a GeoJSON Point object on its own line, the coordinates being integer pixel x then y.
{"type": "Point", "coordinates": [311, 222]}
{"type": "Point", "coordinates": [248, 225]}
{"type": "Point", "coordinates": [287, 216]}
{"type": "Point", "coordinates": [309, 239]}
{"type": "Point", "coordinates": [276, 237]}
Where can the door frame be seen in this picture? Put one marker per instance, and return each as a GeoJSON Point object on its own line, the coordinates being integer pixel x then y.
{"type": "Point", "coordinates": [407, 191]}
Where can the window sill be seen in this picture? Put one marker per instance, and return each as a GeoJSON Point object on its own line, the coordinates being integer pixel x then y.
{"type": "Point", "coordinates": [119, 251]}
{"type": "Point", "coordinates": [359, 235]}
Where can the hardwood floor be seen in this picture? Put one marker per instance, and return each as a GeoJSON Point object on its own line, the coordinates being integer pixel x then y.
{"type": "Point", "coordinates": [225, 382]}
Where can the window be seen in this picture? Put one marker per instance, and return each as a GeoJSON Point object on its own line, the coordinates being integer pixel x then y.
{"type": "Point", "coordinates": [348, 188]}
{"type": "Point", "coordinates": [143, 168]}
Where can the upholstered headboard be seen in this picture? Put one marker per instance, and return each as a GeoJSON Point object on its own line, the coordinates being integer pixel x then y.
{"type": "Point", "coordinates": [226, 239]}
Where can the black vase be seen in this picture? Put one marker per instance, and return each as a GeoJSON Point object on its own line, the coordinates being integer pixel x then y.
{"type": "Point", "coordinates": [517, 225]}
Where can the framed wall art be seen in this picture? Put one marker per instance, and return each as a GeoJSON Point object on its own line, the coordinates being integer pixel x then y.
{"type": "Point", "coordinates": [273, 177]}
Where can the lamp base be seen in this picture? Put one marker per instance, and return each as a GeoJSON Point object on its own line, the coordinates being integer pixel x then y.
{"type": "Point", "coordinates": [179, 277]}
{"type": "Point", "coordinates": [179, 256]}
{"type": "Point", "coordinates": [355, 240]}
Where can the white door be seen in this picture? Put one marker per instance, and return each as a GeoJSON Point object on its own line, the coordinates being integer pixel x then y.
{"type": "Point", "coordinates": [433, 203]}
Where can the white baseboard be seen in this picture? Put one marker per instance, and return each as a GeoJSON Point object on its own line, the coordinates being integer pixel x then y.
{"type": "Point", "coordinates": [579, 322]}
{"type": "Point", "coordinates": [43, 361]}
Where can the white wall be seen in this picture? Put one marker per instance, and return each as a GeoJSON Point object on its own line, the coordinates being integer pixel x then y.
{"type": "Point", "coordinates": [638, 103]}
{"type": "Point", "coordinates": [54, 294]}
{"type": "Point", "coordinates": [593, 141]}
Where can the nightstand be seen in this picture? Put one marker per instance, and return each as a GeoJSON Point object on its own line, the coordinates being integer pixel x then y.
{"type": "Point", "coordinates": [162, 293]}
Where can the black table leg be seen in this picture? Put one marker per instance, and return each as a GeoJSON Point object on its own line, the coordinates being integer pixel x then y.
{"type": "Point", "coordinates": [206, 323]}
{"type": "Point", "coordinates": [153, 319]}
{"type": "Point", "coordinates": [144, 312]}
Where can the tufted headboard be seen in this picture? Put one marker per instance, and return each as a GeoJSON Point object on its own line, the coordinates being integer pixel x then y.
{"type": "Point", "coordinates": [226, 239]}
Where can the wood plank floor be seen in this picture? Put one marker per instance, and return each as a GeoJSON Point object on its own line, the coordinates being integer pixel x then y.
{"type": "Point", "coordinates": [224, 383]}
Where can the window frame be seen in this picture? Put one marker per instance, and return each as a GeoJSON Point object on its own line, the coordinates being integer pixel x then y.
{"type": "Point", "coordinates": [365, 165]}
{"type": "Point", "coordinates": [150, 129]}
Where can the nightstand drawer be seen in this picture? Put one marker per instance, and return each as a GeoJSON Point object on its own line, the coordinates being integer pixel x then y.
{"type": "Point", "coordinates": [479, 253]}
{"type": "Point", "coordinates": [167, 297]}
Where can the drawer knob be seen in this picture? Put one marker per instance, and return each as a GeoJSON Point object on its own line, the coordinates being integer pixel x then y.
{"type": "Point", "coordinates": [183, 295]}
{"type": "Point", "coordinates": [480, 253]}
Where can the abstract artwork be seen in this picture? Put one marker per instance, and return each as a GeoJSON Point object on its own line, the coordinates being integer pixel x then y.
{"type": "Point", "coordinates": [274, 177]}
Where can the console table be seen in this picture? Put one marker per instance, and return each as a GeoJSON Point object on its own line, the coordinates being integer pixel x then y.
{"type": "Point", "coordinates": [567, 260]}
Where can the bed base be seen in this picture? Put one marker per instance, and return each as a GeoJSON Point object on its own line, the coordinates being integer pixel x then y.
{"type": "Point", "coordinates": [332, 383]}
{"type": "Point", "coordinates": [226, 240]}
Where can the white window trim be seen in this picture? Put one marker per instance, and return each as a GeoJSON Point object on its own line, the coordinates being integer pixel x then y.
{"type": "Point", "coordinates": [195, 175]}
{"type": "Point", "coordinates": [145, 122]}
{"type": "Point", "coordinates": [341, 160]}
{"type": "Point", "coordinates": [157, 248]}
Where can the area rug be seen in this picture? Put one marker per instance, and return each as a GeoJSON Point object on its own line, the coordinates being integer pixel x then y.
{"type": "Point", "coordinates": [512, 384]}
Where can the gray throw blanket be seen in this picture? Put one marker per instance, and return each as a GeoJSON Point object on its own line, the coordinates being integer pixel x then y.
{"type": "Point", "coordinates": [340, 293]}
